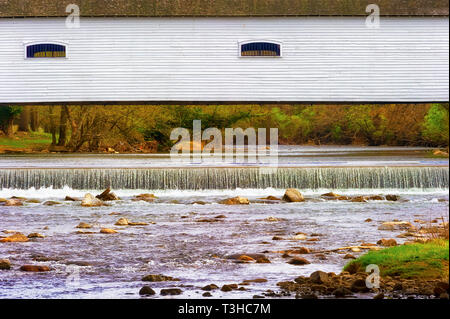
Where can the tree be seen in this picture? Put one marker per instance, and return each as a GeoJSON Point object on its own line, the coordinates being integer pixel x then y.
{"type": "Point", "coordinates": [7, 116]}
{"type": "Point", "coordinates": [25, 119]}
{"type": "Point", "coordinates": [52, 117]}
{"type": "Point", "coordinates": [34, 119]}
{"type": "Point", "coordinates": [436, 126]}
{"type": "Point", "coordinates": [64, 116]}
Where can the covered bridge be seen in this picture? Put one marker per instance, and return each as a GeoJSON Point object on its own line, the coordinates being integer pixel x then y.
{"type": "Point", "coordinates": [223, 51]}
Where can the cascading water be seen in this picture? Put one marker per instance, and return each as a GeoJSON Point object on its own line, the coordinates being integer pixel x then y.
{"type": "Point", "coordinates": [229, 178]}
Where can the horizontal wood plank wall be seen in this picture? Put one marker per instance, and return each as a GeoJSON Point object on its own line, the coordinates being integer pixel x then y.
{"type": "Point", "coordinates": [325, 59]}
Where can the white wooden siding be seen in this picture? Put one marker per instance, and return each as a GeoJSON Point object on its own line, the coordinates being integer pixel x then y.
{"type": "Point", "coordinates": [325, 59]}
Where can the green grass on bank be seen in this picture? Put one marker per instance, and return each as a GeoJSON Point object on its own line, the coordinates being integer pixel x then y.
{"type": "Point", "coordinates": [29, 141]}
{"type": "Point", "coordinates": [429, 260]}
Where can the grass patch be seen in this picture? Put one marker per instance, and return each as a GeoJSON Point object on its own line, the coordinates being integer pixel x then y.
{"type": "Point", "coordinates": [429, 260]}
{"type": "Point", "coordinates": [27, 141]}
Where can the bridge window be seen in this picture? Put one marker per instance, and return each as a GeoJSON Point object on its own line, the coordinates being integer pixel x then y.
{"type": "Point", "coordinates": [45, 50]}
{"type": "Point", "coordinates": [259, 48]}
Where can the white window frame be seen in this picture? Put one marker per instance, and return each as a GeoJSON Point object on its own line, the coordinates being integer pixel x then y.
{"type": "Point", "coordinates": [27, 44]}
{"type": "Point", "coordinates": [241, 43]}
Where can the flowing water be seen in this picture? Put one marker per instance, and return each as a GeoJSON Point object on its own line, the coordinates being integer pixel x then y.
{"type": "Point", "coordinates": [176, 243]}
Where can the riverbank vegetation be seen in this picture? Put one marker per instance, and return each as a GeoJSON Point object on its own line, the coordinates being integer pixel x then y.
{"type": "Point", "coordinates": [419, 260]}
{"type": "Point", "coordinates": [98, 128]}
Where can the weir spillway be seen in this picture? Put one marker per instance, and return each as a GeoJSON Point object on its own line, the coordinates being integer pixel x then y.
{"type": "Point", "coordinates": [228, 178]}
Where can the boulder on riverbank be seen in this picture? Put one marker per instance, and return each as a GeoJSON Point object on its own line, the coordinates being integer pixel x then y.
{"type": "Point", "coordinates": [387, 242]}
{"type": "Point", "coordinates": [319, 277]}
{"type": "Point", "coordinates": [396, 226]}
{"type": "Point", "coordinates": [345, 284]}
{"type": "Point", "coordinates": [292, 195]}
{"type": "Point", "coordinates": [91, 201]}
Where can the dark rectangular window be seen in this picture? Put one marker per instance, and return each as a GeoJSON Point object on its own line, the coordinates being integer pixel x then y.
{"type": "Point", "coordinates": [46, 50]}
{"type": "Point", "coordinates": [260, 49]}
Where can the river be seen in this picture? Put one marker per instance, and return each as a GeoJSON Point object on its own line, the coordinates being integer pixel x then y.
{"type": "Point", "coordinates": [176, 243]}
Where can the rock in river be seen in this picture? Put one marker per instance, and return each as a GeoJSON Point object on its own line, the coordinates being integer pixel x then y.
{"type": "Point", "coordinates": [293, 195]}
{"type": "Point", "coordinates": [157, 278]}
{"type": "Point", "coordinates": [359, 199]}
{"type": "Point", "coordinates": [35, 235]}
{"type": "Point", "coordinates": [271, 198]}
{"type": "Point", "coordinates": [392, 198]}
{"type": "Point", "coordinates": [359, 285]}
{"type": "Point", "coordinates": [342, 292]}
{"type": "Point", "coordinates": [299, 236]}
{"type": "Point", "coordinates": [16, 238]}
{"type": "Point", "coordinates": [91, 201]}
{"type": "Point", "coordinates": [298, 261]}
{"type": "Point", "coordinates": [146, 291]}
{"type": "Point", "coordinates": [84, 225]}
{"type": "Point", "coordinates": [122, 222]}
{"type": "Point", "coordinates": [387, 242]}
{"type": "Point", "coordinates": [72, 199]}
{"type": "Point", "coordinates": [51, 203]}
{"type": "Point", "coordinates": [34, 268]}
{"type": "Point", "coordinates": [396, 226]}
{"type": "Point", "coordinates": [210, 287]}
{"type": "Point", "coordinates": [107, 231]}
{"type": "Point", "coordinates": [138, 223]}
{"type": "Point", "coordinates": [235, 201]}
{"type": "Point", "coordinates": [171, 292]}
{"type": "Point", "coordinates": [227, 288]}
{"type": "Point", "coordinates": [300, 250]}
{"type": "Point", "coordinates": [144, 197]}
{"type": "Point", "coordinates": [5, 264]}
{"type": "Point", "coordinates": [107, 195]}
{"type": "Point", "coordinates": [246, 258]}
{"type": "Point", "coordinates": [375, 197]}
{"type": "Point", "coordinates": [319, 277]}
{"type": "Point", "coordinates": [14, 202]}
